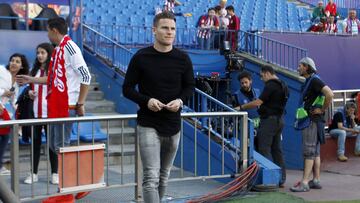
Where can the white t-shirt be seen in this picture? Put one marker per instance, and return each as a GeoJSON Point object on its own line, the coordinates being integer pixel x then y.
{"type": "Point", "coordinates": [77, 71]}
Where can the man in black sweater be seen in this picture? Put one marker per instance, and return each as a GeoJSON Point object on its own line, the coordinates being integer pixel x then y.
{"type": "Point", "coordinates": [164, 76]}
{"type": "Point", "coordinates": [271, 104]}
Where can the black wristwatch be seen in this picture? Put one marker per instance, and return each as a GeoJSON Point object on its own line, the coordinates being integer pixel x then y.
{"type": "Point", "coordinates": [77, 105]}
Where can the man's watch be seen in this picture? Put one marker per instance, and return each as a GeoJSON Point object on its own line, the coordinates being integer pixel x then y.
{"type": "Point", "coordinates": [77, 105]}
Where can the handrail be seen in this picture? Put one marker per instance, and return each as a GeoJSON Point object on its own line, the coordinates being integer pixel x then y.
{"type": "Point", "coordinates": [282, 43]}
{"type": "Point", "coordinates": [280, 53]}
{"type": "Point", "coordinates": [239, 119]}
{"type": "Point", "coordinates": [102, 35]}
{"type": "Point", "coordinates": [108, 118]}
{"type": "Point", "coordinates": [102, 45]}
{"type": "Point", "coordinates": [217, 102]}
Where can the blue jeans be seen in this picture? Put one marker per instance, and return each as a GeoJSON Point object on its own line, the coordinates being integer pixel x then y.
{"type": "Point", "coordinates": [204, 43]}
{"type": "Point", "coordinates": [341, 135]}
{"type": "Point", "coordinates": [157, 156]}
{"type": "Point", "coordinates": [4, 140]}
{"type": "Point", "coordinates": [59, 137]}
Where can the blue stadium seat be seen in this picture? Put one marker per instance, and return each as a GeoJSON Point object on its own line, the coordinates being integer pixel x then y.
{"type": "Point", "coordinates": [86, 132]}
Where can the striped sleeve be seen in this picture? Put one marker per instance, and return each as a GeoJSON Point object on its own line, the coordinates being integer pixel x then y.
{"type": "Point", "coordinates": [77, 62]}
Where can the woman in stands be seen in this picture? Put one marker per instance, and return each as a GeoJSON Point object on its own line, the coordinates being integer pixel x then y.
{"type": "Point", "coordinates": [38, 93]}
{"type": "Point", "coordinates": [9, 91]}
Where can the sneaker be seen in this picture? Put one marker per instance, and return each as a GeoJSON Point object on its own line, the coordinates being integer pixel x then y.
{"type": "Point", "coordinates": [300, 187]}
{"type": "Point", "coordinates": [357, 153]}
{"type": "Point", "coordinates": [342, 158]}
{"type": "Point", "coordinates": [315, 184]}
{"type": "Point", "coordinates": [81, 195]}
{"type": "Point", "coordinates": [4, 172]}
{"type": "Point", "coordinates": [55, 179]}
{"type": "Point", "coordinates": [31, 179]}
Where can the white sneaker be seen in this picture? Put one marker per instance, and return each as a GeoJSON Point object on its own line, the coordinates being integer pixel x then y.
{"type": "Point", "coordinates": [4, 171]}
{"type": "Point", "coordinates": [31, 179]}
{"type": "Point", "coordinates": [55, 179]}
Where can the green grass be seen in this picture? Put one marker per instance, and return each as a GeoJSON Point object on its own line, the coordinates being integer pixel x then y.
{"type": "Point", "coordinates": [277, 197]}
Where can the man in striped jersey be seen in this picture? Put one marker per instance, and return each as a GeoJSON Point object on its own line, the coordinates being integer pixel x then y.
{"type": "Point", "coordinates": [67, 82]}
{"type": "Point", "coordinates": [207, 24]}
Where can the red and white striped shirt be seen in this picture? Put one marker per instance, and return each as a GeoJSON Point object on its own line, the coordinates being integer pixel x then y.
{"type": "Point", "coordinates": [206, 23]}
{"type": "Point", "coordinates": [40, 102]}
{"type": "Point", "coordinates": [169, 6]}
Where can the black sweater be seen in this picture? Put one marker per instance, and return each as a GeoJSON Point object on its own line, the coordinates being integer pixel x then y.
{"type": "Point", "coordinates": [163, 76]}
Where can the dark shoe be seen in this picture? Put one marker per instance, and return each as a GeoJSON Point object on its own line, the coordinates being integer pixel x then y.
{"type": "Point", "coordinates": [81, 195]}
{"type": "Point", "coordinates": [300, 187]}
{"type": "Point", "coordinates": [315, 184]}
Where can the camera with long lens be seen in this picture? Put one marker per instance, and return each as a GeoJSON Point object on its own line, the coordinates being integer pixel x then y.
{"type": "Point", "coordinates": [233, 61]}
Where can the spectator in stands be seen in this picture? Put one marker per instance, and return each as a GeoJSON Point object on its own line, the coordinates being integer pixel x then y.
{"type": "Point", "coordinates": [9, 91]}
{"type": "Point", "coordinates": [233, 27]}
{"type": "Point", "coordinates": [46, 13]}
{"type": "Point", "coordinates": [330, 26]}
{"type": "Point", "coordinates": [160, 98]}
{"type": "Point", "coordinates": [223, 14]}
{"type": "Point", "coordinates": [319, 27]}
{"type": "Point", "coordinates": [38, 93]}
{"type": "Point", "coordinates": [331, 7]}
{"type": "Point", "coordinates": [207, 24]}
{"type": "Point", "coordinates": [318, 12]}
{"type": "Point", "coordinates": [352, 24]}
{"type": "Point", "coordinates": [6, 11]}
{"type": "Point", "coordinates": [219, 35]}
{"type": "Point", "coordinates": [169, 6]}
{"type": "Point", "coordinates": [343, 125]}
{"type": "Point", "coordinates": [66, 58]}
{"type": "Point", "coordinates": [271, 104]}
{"type": "Point", "coordinates": [317, 99]}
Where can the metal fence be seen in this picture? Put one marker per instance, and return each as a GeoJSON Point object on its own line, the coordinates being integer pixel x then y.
{"type": "Point", "coordinates": [109, 181]}
{"type": "Point", "coordinates": [112, 41]}
{"type": "Point", "coordinates": [116, 54]}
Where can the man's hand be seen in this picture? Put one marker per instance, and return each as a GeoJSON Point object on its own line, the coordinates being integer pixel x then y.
{"type": "Point", "coordinates": [155, 105]}
{"type": "Point", "coordinates": [80, 109]}
{"type": "Point", "coordinates": [23, 79]}
{"type": "Point", "coordinates": [32, 94]}
{"type": "Point", "coordinates": [174, 105]}
{"type": "Point", "coordinates": [1, 109]}
{"type": "Point", "coordinates": [317, 111]}
{"type": "Point", "coordinates": [8, 93]}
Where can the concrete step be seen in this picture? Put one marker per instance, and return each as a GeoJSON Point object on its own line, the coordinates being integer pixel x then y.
{"type": "Point", "coordinates": [94, 86]}
{"type": "Point", "coordinates": [95, 95]}
{"type": "Point", "coordinates": [115, 135]}
{"type": "Point", "coordinates": [127, 155]}
{"type": "Point", "coordinates": [101, 106]}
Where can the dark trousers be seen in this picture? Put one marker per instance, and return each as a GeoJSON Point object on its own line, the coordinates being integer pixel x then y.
{"type": "Point", "coordinates": [269, 141]}
{"type": "Point", "coordinates": [4, 140]}
{"type": "Point", "coordinates": [37, 149]}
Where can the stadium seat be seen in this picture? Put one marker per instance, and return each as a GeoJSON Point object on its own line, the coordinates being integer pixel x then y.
{"type": "Point", "coordinates": [87, 131]}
